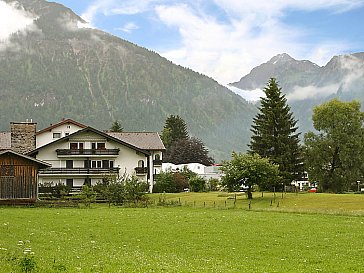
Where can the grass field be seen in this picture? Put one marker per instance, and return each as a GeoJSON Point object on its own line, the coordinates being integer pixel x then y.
{"type": "Point", "coordinates": [324, 234]}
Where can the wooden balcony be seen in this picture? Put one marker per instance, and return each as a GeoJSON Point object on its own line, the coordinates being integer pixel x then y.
{"type": "Point", "coordinates": [87, 152]}
{"type": "Point", "coordinates": [141, 170]}
{"type": "Point", "coordinates": [79, 171]}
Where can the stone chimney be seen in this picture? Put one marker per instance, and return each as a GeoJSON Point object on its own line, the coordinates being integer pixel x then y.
{"type": "Point", "coordinates": [23, 136]}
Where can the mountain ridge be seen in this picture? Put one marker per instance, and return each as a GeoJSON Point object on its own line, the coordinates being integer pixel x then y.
{"type": "Point", "coordinates": [58, 69]}
{"type": "Point", "coordinates": [307, 84]}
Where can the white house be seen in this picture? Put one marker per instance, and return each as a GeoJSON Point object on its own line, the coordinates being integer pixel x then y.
{"type": "Point", "coordinates": [83, 155]}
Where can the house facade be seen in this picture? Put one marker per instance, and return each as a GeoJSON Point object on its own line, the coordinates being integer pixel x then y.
{"type": "Point", "coordinates": [82, 155]}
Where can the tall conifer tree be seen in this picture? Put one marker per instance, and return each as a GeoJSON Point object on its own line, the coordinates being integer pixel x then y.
{"type": "Point", "coordinates": [274, 133]}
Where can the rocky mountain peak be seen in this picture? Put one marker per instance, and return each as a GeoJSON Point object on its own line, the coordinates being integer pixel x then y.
{"type": "Point", "coordinates": [281, 58]}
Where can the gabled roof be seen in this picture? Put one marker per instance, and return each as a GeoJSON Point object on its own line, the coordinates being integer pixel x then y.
{"type": "Point", "coordinates": [90, 129]}
{"type": "Point", "coordinates": [65, 121]}
{"type": "Point", "coordinates": [142, 140]}
{"type": "Point", "coordinates": [42, 164]}
{"type": "Point", "coordinates": [5, 140]}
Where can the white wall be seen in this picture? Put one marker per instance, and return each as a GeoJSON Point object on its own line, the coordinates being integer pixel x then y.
{"type": "Point", "coordinates": [47, 137]}
{"type": "Point", "coordinates": [127, 159]}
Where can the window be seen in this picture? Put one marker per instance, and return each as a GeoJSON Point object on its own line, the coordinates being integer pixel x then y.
{"type": "Point", "coordinates": [76, 146]}
{"type": "Point", "coordinates": [101, 146]}
{"type": "Point", "coordinates": [96, 164]}
{"type": "Point", "coordinates": [66, 134]}
{"type": "Point", "coordinates": [69, 182]}
{"type": "Point", "coordinates": [157, 157]}
{"type": "Point", "coordinates": [73, 146]}
{"type": "Point", "coordinates": [98, 146]}
{"type": "Point", "coordinates": [69, 164]}
{"type": "Point", "coordinates": [57, 135]}
{"type": "Point", "coordinates": [141, 164]}
{"type": "Point", "coordinates": [68, 126]}
{"type": "Point", "coordinates": [111, 163]}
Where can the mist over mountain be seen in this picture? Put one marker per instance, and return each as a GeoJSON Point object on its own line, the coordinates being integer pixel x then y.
{"type": "Point", "coordinates": [54, 67]}
{"type": "Point", "coordinates": [307, 84]}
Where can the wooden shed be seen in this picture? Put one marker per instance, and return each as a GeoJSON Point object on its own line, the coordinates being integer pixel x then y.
{"type": "Point", "coordinates": [19, 177]}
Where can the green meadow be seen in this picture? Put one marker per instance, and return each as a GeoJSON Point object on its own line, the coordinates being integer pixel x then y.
{"type": "Point", "coordinates": [205, 232]}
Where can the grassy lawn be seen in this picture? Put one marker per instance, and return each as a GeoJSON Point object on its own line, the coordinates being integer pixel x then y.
{"type": "Point", "coordinates": [347, 204]}
{"type": "Point", "coordinates": [190, 238]}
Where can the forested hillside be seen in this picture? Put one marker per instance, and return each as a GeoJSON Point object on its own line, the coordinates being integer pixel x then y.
{"type": "Point", "coordinates": [57, 70]}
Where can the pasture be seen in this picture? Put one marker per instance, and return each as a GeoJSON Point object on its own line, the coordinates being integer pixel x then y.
{"type": "Point", "coordinates": [326, 235]}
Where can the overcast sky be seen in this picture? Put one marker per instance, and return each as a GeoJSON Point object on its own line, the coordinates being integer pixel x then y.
{"type": "Point", "coordinates": [225, 39]}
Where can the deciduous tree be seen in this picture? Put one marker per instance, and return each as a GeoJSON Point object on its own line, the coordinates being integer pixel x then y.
{"type": "Point", "coordinates": [188, 150]}
{"type": "Point", "coordinates": [250, 169]}
{"type": "Point", "coordinates": [334, 155]}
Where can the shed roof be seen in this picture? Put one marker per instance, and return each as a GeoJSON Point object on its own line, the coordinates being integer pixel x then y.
{"type": "Point", "coordinates": [41, 164]}
{"type": "Point", "coordinates": [142, 140]}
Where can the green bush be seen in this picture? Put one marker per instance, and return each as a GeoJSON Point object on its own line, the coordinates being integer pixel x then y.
{"type": "Point", "coordinates": [165, 183]}
{"type": "Point", "coordinates": [213, 184]}
{"type": "Point", "coordinates": [197, 184]}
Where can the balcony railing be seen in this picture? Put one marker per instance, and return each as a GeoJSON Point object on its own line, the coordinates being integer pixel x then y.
{"type": "Point", "coordinates": [141, 170]}
{"type": "Point", "coordinates": [79, 171]}
{"type": "Point", "coordinates": [157, 162]}
{"type": "Point", "coordinates": [87, 151]}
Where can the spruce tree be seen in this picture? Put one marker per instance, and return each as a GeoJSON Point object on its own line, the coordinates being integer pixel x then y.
{"type": "Point", "coordinates": [274, 133]}
{"type": "Point", "coordinates": [174, 129]}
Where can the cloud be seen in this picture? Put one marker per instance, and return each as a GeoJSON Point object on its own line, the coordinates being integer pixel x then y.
{"type": "Point", "coordinates": [14, 19]}
{"type": "Point", "coordinates": [249, 95]}
{"type": "Point", "coordinates": [224, 39]}
{"type": "Point", "coordinates": [129, 27]}
{"type": "Point", "coordinates": [309, 92]}
{"type": "Point", "coordinates": [354, 68]}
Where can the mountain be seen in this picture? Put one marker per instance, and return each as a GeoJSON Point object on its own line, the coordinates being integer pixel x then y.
{"type": "Point", "coordinates": [55, 68]}
{"type": "Point", "coordinates": [288, 71]}
{"type": "Point", "coordinates": [307, 84]}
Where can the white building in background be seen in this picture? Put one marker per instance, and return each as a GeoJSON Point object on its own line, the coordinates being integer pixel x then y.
{"type": "Point", "coordinates": [206, 172]}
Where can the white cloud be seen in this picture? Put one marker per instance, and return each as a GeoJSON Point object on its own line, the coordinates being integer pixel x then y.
{"type": "Point", "coordinates": [309, 92]}
{"type": "Point", "coordinates": [129, 27]}
{"type": "Point", "coordinates": [249, 95]}
{"type": "Point", "coordinates": [354, 68]}
{"type": "Point", "coordinates": [13, 19]}
{"type": "Point", "coordinates": [226, 49]}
